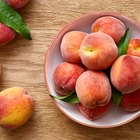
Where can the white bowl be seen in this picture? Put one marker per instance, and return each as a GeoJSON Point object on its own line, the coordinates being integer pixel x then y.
{"type": "Point", "coordinates": [53, 57]}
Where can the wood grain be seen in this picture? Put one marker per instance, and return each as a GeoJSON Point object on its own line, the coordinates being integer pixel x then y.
{"type": "Point", "coordinates": [23, 65]}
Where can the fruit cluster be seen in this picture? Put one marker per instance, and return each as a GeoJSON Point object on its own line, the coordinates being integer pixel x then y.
{"type": "Point", "coordinates": [88, 56]}
{"type": "Point", "coordinates": [8, 34]}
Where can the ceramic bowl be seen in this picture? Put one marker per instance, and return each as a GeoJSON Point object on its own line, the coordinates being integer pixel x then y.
{"type": "Point", "coordinates": [53, 57]}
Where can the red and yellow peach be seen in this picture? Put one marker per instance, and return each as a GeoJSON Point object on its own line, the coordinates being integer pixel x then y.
{"type": "Point", "coordinates": [131, 102]}
{"type": "Point", "coordinates": [125, 74]}
{"type": "Point", "coordinates": [16, 107]}
{"type": "Point", "coordinates": [111, 26]}
{"type": "Point", "coordinates": [93, 88]}
{"type": "Point", "coordinates": [70, 46]}
{"type": "Point", "coordinates": [98, 51]}
{"type": "Point", "coordinates": [95, 112]}
{"type": "Point", "coordinates": [65, 77]}
{"type": "Point", "coordinates": [134, 47]}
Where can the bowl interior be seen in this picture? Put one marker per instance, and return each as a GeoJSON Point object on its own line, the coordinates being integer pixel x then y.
{"type": "Point", "coordinates": [112, 118]}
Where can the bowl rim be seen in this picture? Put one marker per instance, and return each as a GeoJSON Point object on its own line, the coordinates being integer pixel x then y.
{"type": "Point", "coordinates": [51, 46]}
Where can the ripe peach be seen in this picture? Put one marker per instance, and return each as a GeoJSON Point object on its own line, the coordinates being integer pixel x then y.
{"type": "Point", "coordinates": [16, 4]}
{"type": "Point", "coordinates": [98, 51]}
{"type": "Point", "coordinates": [134, 47]}
{"type": "Point", "coordinates": [93, 88]}
{"type": "Point", "coordinates": [95, 112]}
{"type": "Point", "coordinates": [70, 46]}
{"type": "Point", "coordinates": [65, 76]}
{"type": "Point", "coordinates": [16, 107]}
{"type": "Point", "coordinates": [111, 26]}
{"type": "Point", "coordinates": [131, 101]}
{"type": "Point", "coordinates": [125, 74]}
{"type": "Point", "coordinates": [6, 34]}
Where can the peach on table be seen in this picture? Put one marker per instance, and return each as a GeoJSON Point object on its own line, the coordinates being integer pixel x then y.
{"type": "Point", "coordinates": [7, 34]}
{"type": "Point", "coordinates": [16, 107]}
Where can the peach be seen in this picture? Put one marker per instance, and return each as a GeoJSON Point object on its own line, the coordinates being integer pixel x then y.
{"type": "Point", "coordinates": [16, 107]}
{"type": "Point", "coordinates": [6, 34]}
{"type": "Point", "coordinates": [70, 46]}
{"type": "Point", "coordinates": [125, 74]}
{"type": "Point", "coordinates": [134, 47]}
{"type": "Point", "coordinates": [111, 26]}
{"type": "Point", "coordinates": [93, 88]}
{"type": "Point", "coordinates": [65, 77]}
{"type": "Point", "coordinates": [98, 51]}
{"type": "Point", "coordinates": [94, 113]}
{"type": "Point", "coordinates": [131, 101]}
{"type": "Point", "coordinates": [16, 4]}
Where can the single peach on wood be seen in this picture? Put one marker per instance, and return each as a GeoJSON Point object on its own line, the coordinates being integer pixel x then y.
{"type": "Point", "coordinates": [65, 77]}
{"type": "Point", "coordinates": [134, 47]}
{"type": "Point", "coordinates": [131, 102]}
{"type": "Point", "coordinates": [6, 34]}
{"type": "Point", "coordinates": [16, 4]}
{"type": "Point", "coordinates": [70, 46]}
{"type": "Point", "coordinates": [95, 112]}
{"type": "Point", "coordinates": [16, 107]}
{"type": "Point", "coordinates": [98, 51]}
{"type": "Point", "coordinates": [93, 88]}
{"type": "Point", "coordinates": [111, 26]}
{"type": "Point", "coordinates": [125, 74]}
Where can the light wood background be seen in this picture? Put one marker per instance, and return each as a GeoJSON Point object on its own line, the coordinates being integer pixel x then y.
{"type": "Point", "coordinates": [23, 65]}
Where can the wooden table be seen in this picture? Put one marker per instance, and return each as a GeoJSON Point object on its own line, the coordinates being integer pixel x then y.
{"type": "Point", "coordinates": [23, 65]}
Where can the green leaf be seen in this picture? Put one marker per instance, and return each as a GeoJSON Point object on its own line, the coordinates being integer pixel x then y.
{"type": "Point", "coordinates": [116, 96]}
{"type": "Point", "coordinates": [12, 19]}
{"type": "Point", "coordinates": [123, 43]}
{"type": "Point", "coordinates": [71, 98]}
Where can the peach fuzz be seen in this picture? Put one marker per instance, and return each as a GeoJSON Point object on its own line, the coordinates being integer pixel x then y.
{"type": "Point", "coordinates": [7, 34]}
{"type": "Point", "coordinates": [65, 77]}
{"type": "Point", "coordinates": [134, 47]}
{"type": "Point", "coordinates": [93, 88]}
{"type": "Point", "coordinates": [125, 74]}
{"type": "Point", "coordinates": [94, 113]}
{"type": "Point", "coordinates": [70, 46]}
{"type": "Point", "coordinates": [111, 26]}
{"type": "Point", "coordinates": [16, 4]}
{"type": "Point", "coordinates": [16, 107]}
{"type": "Point", "coordinates": [131, 102]}
{"type": "Point", "coordinates": [98, 51]}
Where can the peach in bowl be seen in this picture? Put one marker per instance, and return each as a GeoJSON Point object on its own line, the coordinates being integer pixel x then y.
{"type": "Point", "coordinates": [79, 59]}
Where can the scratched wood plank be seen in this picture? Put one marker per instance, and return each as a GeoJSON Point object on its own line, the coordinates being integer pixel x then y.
{"type": "Point", "coordinates": [23, 65]}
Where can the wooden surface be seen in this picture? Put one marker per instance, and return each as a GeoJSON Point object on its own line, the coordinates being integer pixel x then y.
{"type": "Point", "coordinates": [23, 65]}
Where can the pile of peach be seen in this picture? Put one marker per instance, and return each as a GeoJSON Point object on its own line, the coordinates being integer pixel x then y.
{"type": "Point", "coordinates": [7, 34]}
{"type": "Point", "coordinates": [87, 56]}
